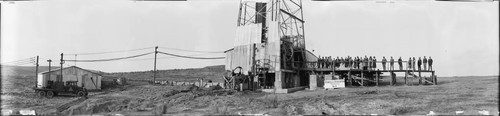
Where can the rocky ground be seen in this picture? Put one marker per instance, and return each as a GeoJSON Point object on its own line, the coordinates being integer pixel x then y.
{"type": "Point", "coordinates": [469, 94]}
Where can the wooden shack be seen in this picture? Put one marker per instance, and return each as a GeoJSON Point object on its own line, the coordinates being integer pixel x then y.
{"type": "Point", "coordinates": [91, 80]}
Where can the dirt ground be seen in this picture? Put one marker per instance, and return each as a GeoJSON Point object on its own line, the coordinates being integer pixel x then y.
{"type": "Point", "coordinates": [469, 94]}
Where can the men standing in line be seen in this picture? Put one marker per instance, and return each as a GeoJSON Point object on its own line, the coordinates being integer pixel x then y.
{"type": "Point", "coordinates": [430, 63]}
{"type": "Point", "coordinates": [383, 62]}
{"type": "Point", "coordinates": [400, 62]}
{"type": "Point", "coordinates": [419, 62]}
{"type": "Point", "coordinates": [425, 63]}
{"type": "Point", "coordinates": [391, 64]}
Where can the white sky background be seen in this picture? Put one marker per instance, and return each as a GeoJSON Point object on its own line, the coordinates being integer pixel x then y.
{"type": "Point", "coordinates": [461, 37]}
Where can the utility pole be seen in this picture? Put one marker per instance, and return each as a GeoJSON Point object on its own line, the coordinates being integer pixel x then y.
{"type": "Point", "coordinates": [62, 62]}
{"type": "Point", "coordinates": [154, 71]}
{"type": "Point", "coordinates": [49, 66]}
{"type": "Point", "coordinates": [36, 73]}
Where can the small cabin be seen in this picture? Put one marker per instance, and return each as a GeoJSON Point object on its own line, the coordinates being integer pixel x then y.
{"type": "Point", "coordinates": [91, 80]}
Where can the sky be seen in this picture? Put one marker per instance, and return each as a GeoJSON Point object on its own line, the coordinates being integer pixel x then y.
{"type": "Point", "coordinates": [461, 37]}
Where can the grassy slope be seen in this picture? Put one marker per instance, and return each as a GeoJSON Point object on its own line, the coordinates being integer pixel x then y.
{"type": "Point", "coordinates": [450, 95]}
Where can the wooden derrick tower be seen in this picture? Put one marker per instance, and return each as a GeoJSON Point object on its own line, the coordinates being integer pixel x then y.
{"type": "Point", "coordinates": [269, 46]}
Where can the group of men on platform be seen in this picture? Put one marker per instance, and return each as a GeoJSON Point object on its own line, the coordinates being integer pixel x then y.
{"type": "Point", "coordinates": [412, 63]}
{"type": "Point", "coordinates": [370, 63]}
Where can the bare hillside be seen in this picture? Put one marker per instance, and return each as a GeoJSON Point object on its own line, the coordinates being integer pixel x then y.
{"type": "Point", "coordinates": [213, 73]}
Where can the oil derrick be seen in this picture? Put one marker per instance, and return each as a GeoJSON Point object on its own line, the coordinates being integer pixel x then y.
{"type": "Point", "coordinates": [269, 45]}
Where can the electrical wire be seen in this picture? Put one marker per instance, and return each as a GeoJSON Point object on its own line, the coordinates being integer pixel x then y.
{"type": "Point", "coordinates": [191, 57]}
{"type": "Point", "coordinates": [19, 62]}
{"type": "Point", "coordinates": [191, 50]}
{"type": "Point", "coordinates": [95, 53]}
{"type": "Point", "coordinates": [162, 57]}
{"type": "Point", "coordinates": [111, 59]}
{"type": "Point", "coordinates": [22, 60]}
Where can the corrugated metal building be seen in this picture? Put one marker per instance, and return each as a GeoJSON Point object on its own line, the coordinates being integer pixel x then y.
{"type": "Point", "coordinates": [91, 80]}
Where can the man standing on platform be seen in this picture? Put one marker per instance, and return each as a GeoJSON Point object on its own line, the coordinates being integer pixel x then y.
{"type": "Point", "coordinates": [365, 63]}
{"type": "Point", "coordinates": [425, 63]}
{"type": "Point", "coordinates": [351, 62]}
{"type": "Point", "coordinates": [370, 59]}
{"type": "Point", "coordinates": [419, 62]}
{"type": "Point", "coordinates": [330, 62]}
{"type": "Point", "coordinates": [409, 63]}
{"type": "Point", "coordinates": [383, 62]}
{"type": "Point", "coordinates": [374, 63]}
{"type": "Point", "coordinates": [413, 63]}
{"type": "Point", "coordinates": [400, 62]}
{"type": "Point", "coordinates": [318, 63]}
{"type": "Point", "coordinates": [391, 64]}
{"type": "Point", "coordinates": [430, 63]}
{"type": "Point", "coordinates": [359, 62]}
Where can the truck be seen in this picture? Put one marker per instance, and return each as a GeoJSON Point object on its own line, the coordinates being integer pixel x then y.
{"type": "Point", "coordinates": [54, 88]}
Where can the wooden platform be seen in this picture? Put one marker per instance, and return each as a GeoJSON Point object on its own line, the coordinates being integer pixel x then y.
{"type": "Point", "coordinates": [285, 90]}
{"type": "Point", "coordinates": [362, 77]}
{"type": "Point", "coordinates": [346, 70]}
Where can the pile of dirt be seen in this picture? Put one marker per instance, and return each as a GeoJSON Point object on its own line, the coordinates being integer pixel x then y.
{"type": "Point", "coordinates": [94, 106]}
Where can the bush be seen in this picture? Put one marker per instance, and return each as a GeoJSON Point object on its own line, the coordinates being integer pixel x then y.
{"type": "Point", "coordinates": [401, 110]}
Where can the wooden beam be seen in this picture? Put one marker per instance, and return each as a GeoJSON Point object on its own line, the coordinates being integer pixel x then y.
{"type": "Point", "coordinates": [291, 15]}
{"type": "Point", "coordinates": [362, 79]}
{"type": "Point", "coordinates": [434, 78]}
{"type": "Point", "coordinates": [406, 77]}
{"type": "Point", "coordinates": [359, 78]}
{"type": "Point", "coordinates": [377, 79]}
{"type": "Point", "coordinates": [428, 80]}
{"type": "Point", "coordinates": [349, 78]}
{"type": "Point", "coordinates": [420, 76]}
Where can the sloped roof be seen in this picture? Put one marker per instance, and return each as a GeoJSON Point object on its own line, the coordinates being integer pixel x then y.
{"type": "Point", "coordinates": [92, 71]}
{"type": "Point", "coordinates": [310, 57]}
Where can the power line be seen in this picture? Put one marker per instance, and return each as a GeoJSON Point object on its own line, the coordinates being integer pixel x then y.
{"type": "Point", "coordinates": [162, 57]}
{"type": "Point", "coordinates": [26, 59]}
{"type": "Point", "coordinates": [191, 57]}
{"type": "Point", "coordinates": [111, 59]}
{"type": "Point", "coordinates": [95, 53]}
{"type": "Point", "coordinates": [192, 50]}
{"type": "Point", "coordinates": [20, 64]}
